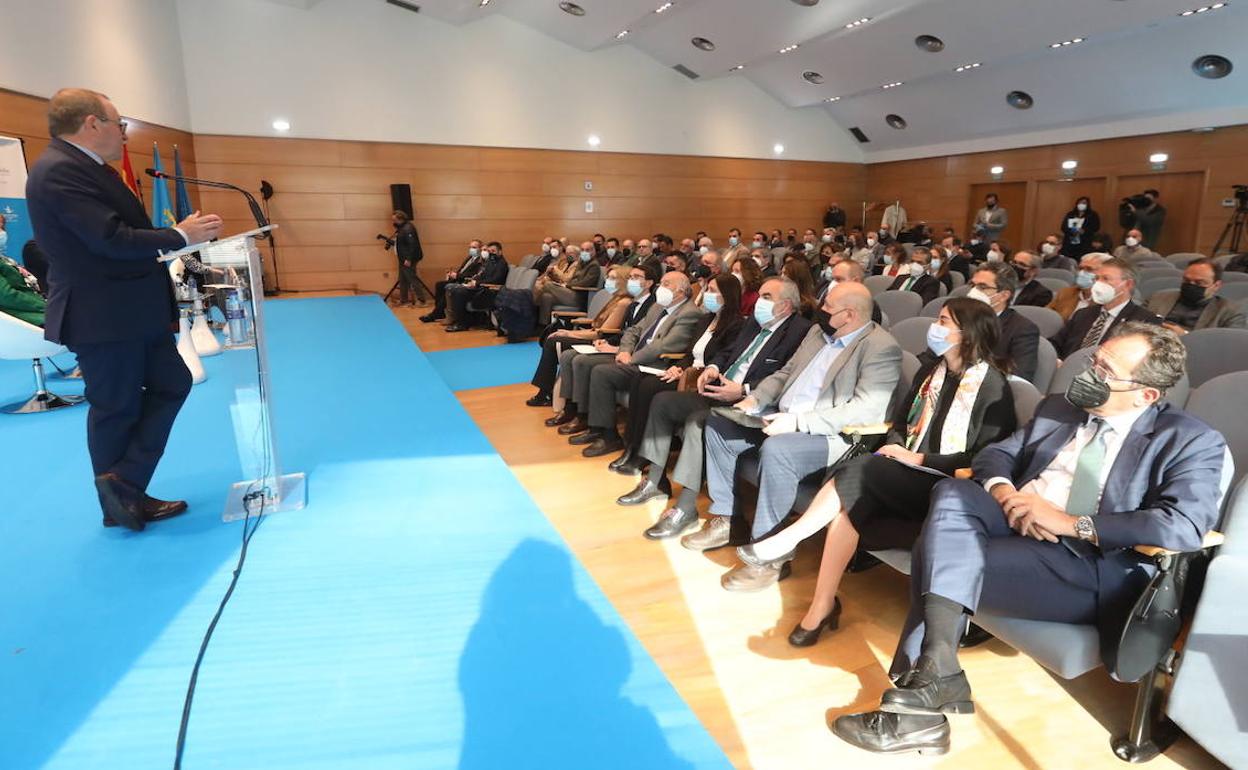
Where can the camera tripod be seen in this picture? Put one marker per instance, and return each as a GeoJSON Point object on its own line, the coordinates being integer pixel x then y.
{"type": "Point", "coordinates": [420, 284]}
{"type": "Point", "coordinates": [1234, 229]}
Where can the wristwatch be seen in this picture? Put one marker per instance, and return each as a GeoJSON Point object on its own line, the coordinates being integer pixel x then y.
{"type": "Point", "coordinates": [1085, 529]}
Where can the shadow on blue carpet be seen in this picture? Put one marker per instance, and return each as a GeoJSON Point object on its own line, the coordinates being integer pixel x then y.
{"type": "Point", "coordinates": [486, 367]}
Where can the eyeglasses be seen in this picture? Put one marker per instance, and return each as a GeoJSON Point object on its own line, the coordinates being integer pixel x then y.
{"type": "Point", "coordinates": [983, 287]}
{"type": "Point", "coordinates": [1107, 374]}
{"type": "Point", "coordinates": [121, 124]}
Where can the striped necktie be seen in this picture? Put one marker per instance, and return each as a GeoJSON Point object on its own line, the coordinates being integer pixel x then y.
{"type": "Point", "coordinates": [1093, 337]}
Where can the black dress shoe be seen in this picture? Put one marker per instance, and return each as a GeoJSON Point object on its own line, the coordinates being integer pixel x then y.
{"type": "Point", "coordinates": [541, 399]}
{"type": "Point", "coordinates": [564, 417]}
{"type": "Point", "coordinates": [924, 691]}
{"type": "Point", "coordinates": [582, 439]}
{"type": "Point", "coordinates": [576, 425]}
{"type": "Point", "coordinates": [624, 458]}
{"type": "Point", "coordinates": [632, 467]}
{"type": "Point", "coordinates": [604, 445]}
{"type": "Point", "coordinates": [974, 636]}
{"type": "Point", "coordinates": [644, 492]}
{"type": "Point", "coordinates": [884, 733]}
{"type": "Point", "coordinates": [121, 501]}
{"type": "Point", "coordinates": [802, 637]}
{"type": "Point", "coordinates": [431, 317]}
{"type": "Point", "coordinates": [672, 523]}
{"type": "Point", "coordinates": [456, 328]}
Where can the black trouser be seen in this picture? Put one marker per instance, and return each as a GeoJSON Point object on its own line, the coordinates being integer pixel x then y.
{"type": "Point", "coordinates": [462, 295]}
{"type": "Point", "coordinates": [439, 296]}
{"type": "Point", "coordinates": [409, 283]}
{"type": "Point", "coordinates": [644, 390]}
{"type": "Point", "coordinates": [135, 389]}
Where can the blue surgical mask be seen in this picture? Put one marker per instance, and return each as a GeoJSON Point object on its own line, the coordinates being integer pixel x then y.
{"type": "Point", "coordinates": [888, 259]}
{"type": "Point", "coordinates": [936, 263]}
{"type": "Point", "coordinates": [472, 252]}
{"type": "Point", "coordinates": [713, 303]}
{"type": "Point", "coordinates": [938, 339]}
{"type": "Point", "coordinates": [610, 285]}
{"type": "Point", "coordinates": [634, 287]}
{"type": "Point", "coordinates": [733, 240]}
{"type": "Point", "coordinates": [1084, 279]}
{"type": "Point", "coordinates": [764, 311]}
{"type": "Point", "coordinates": [586, 256]}
{"type": "Point", "coordinates": [756, 244]}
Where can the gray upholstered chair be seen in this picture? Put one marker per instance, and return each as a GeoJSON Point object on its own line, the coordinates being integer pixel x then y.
{"type": "Point", "coordinates": [899, 305]}
{"type": "Point", "coordinates": [911, 334]}
{"type": "Point", "coordinates": [1211, 352]}
{"type": "Point", "coordinates": [878, 284]}
{"type": "Point", "coordinates": [932, 309]}
{"type": "Point", "coordinates": [1049, 321]}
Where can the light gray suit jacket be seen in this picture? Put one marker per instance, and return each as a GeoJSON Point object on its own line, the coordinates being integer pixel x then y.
{"type": "Point", "coordinates": [856, 389]}
{"type": "Point", "coordinates": [676, 336]}
{"type": "Point", "coordinates": [992, 223]}
{"type": "Point", "coordinates": [1222, 313]}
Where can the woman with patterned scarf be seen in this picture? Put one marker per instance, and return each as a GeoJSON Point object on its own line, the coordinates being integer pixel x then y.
{"type": "Point", "coordinates": [960, 401]}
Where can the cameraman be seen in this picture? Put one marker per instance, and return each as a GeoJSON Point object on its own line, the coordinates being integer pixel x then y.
{"type": "Point", "coordinates": [1144, 213]}
{"type": "Point", "coordinates": [407, 247]}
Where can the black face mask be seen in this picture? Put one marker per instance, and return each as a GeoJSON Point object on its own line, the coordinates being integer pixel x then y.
{"type": "Point", "coordinates": [628, 252]}
{"type": "Point", "coordinates": [1192, 294]}
{"type": "Point", "coordinates": [1022, 273]}
{"type": "Point", "coordinates": [1088, 390]}
{"type": "Point", "coordinates": [825, 322]}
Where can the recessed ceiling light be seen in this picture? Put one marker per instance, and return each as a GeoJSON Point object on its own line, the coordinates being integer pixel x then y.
{"type": "Point", "coordinates": [1158, 157]}
{"type": "Point", "coordinates": [789, 48]}
{"type": "Point", "coordinates": [929, 43]}
{"type": "Point", "coordinates": [966, 67]}
{"type": "Point", "coordinates": [778, 148]}
{"type": "Point", "coordinates": [663, 7]}
{"type": "Point", "coordinates": [896, 121]}
{"type": "Point", "coordinates": [858, 23]}
{"type": "Point", "coordinates": [810, 76]}
{"type": "Point", "coordinates": [281, 124]}
{"type": "Point", "coordinates": [1066, 43]}
{"type": "Point", "coordinates": [621, 34]}
{"type": "Point", "coordinates": [1212, 66]}
{"type": "Point", "coordinates": [737, 68]}
{"type": "Point", "coordinates": [703, 44]}
{"type": "Point", "coordinates": [594, 140]}
{"type": "Point", "coordinates": [483, 3]}
{"type": "Point", "coordinates": [887, 86]}
{"type": "Point", "coordinates": [1020, 100]}
{"type": "Point", "coordinates": [572, 8]}
{"type": "Point", "coordinates": [1203, 9]}
{"type": "Point", "coordinates": [831, 99]}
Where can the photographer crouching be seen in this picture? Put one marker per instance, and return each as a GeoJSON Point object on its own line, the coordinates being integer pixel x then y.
{"type": "Point", "coordinates": [406, 245]}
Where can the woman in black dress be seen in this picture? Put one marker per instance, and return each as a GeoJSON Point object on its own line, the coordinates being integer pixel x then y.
{"type": "Point", "coordinates": [960, 401]}
{"type": "Point", "coordinates": [1078, 227]}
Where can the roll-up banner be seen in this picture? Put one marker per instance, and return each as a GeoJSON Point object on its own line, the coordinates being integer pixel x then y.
{"type": "Point", "coordinates": [13, 196]}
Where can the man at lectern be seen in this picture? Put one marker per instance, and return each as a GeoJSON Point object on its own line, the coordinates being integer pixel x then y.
{"type": "Point", "coordinates": [110, 301]}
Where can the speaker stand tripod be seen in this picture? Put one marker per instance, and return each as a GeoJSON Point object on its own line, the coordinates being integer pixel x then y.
{"type": "Point", "coordinates": [1234, 229]}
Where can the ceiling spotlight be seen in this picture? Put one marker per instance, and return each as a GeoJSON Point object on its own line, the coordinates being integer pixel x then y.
{"type": "Point", "coordinates": [621, 34]}
{"type": "Point", "coordinates": [966, 67]}
{"type": "Point", "coordinates": [1066, 43]}
{"type": "Point", "coordinates": [929, 43]}
{"type": "Point", "coordinates": [663, 7]}
{"type": "Point", "coordinates": [858, 23]}
{"type": "Point", "coordinates": [831, 99]}
{"type": "Point", "coordinates": [572, 8]}
{"type": "Point", "coordinates": [594, 140]}
{"type": "Point", "coordinates": [281, 124]}
{"type": "Point", "coordinates": [1020, 100]}
{"type": "Point", "coordinates": [807, 3]}
{"type": "Point", "coordinates": [737, 68]}
{"type": "Point", "coordinates": [703, 44]}
{"type": "Point", "coordinates": [789, 48]}
{"type": "Point", "coordinates": [1212, 66]}
{"type": "Point", "coordinates": [1203, 9]}
{"type": "Point", "coordinates": [778, 149]}
{"type": "Point", "coordinates": [997, 172]}
{"type": "Point", "coordinates": [483, 3]}
{"type": "Point", "coordinates": [892, 85]}
{"type": "Point", "coordinates": [895, 121]}
{"type": "Point", "coordinates": [810, 76]}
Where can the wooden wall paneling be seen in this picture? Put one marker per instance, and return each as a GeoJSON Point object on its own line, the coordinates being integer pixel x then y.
{"type": "Point", "coordinates": [1053, 198]}
{"type": "Point", "coordinates": [1181, 195]}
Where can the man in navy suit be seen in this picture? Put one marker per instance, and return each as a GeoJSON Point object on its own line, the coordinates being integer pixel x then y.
{"type": "Point", "coordinates": [1046, 529]}
{"type": "Point", "coordinates": [110, 301]}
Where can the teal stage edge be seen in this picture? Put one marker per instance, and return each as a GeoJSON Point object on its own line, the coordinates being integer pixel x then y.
{"type": "Point", "coordinates": [419, 613]}
{"type": "Point", "coordinates": [486, 367]}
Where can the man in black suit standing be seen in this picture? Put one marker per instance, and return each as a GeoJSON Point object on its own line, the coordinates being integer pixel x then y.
{"type": "Point", "coordinates": [110, 301]}
{"type": "Point", "coordinates": [1115, 283]}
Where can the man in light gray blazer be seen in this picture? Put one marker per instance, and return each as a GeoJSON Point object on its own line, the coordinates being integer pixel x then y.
{"type": "Point", "coordinates": [1196, 304]}
{"type": "Point", "coordinates": [991, 220]}
{"type": "Point", "coordinates": [843, 374]}
{"type": "Point", "coordinates": [669, 327]}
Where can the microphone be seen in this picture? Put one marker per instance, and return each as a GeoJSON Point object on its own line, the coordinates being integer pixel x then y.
{"type": "Point", "coordinates": [261, 220]}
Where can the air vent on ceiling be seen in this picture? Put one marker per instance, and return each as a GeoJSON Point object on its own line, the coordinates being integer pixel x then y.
{"type": "Point", "coordinates": [409, 6]}
{"type": "Point", "coordinates": [682, 69]}
{"type": "Point", "coordinates": [857, 132]}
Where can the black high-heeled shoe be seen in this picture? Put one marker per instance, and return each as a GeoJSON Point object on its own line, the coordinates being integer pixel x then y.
{"type": "Point", "coordinates": [802, 637]}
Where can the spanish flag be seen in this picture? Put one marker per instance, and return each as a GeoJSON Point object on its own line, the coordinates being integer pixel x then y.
{"type": "Point", "coordinates": [127, 174]}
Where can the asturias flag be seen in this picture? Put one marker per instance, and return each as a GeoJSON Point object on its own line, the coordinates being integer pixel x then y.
{"type": "Point", "coordinates": [162, 209]}
{"type": "Point", "coordinates": [127, 174]}
{"type": "Point", "coordinates": [182, 199]}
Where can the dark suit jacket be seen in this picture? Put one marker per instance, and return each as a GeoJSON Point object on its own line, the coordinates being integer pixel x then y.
{"type": "Point", "coordinates": [1162, 490]}
{"type": "Point", "coordinates": [104, 283]}
{"type": "Point", "coordinates": [1034, 293]}
{"type": "Point", "coordinates": [775, 352]}
{"type": "Point", "coordinates": [927, 287]}
{"type": "Point", "coordinates": [493, 271]}
{"type": "Point", "coordinates": [1070, 338]}
{"type": "Point", "coordinates": [638, 310]}
{"type": "Point", "coordinates": [407, 244]}
{"type": "Point", "coordinates": [1019, 342]}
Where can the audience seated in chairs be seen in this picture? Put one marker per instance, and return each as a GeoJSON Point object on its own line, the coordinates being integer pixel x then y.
{"type": "Point", "coordinates": [1133, 247]}
{"type": "Point", "coordinates": [916, 278]}
{"type": "Point", "coordinates": [959, 402]}
{"type": "Point", "coordinates": [1018, 340]}
{"type": "Point", "coordinates": [895, 262]}
{"type": "Point", "coordinates": [1066, 301]}
{"type": "Point", "coordinates": [1030, 291]}
{"type": "Point", "coordinates": [35, 262]}
{"type": "Point", "coordinates": [1112, 306]}
{"type": "Point", "coordinates": [609, 322]}
{"type": "Point", "coordinates": [1043, 532]}
{"type": "Point", "coordinates": [20, 296]}
{"type": "Point", "coordinates": [479, 289]}
{"type": "Point", "coordinates": [1196, 304]}
{"type": "Point", "coordinates": [562, 280]}
{"type": "Point", "coordinates": [764, 345]}
{"type": "Point", "coordinates": [670, 327]}
{"type": "Point", "coordinates": [843, 373]}
{"type": "Point", "coordinates": [575, 368]}
{"type": "Point", "coordinates": [466, 271]}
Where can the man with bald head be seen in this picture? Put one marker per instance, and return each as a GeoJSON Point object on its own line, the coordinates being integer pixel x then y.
{"type": "Point", "coordinates": [110, 300]}
{"type": "Point", "coordinates": [843, 373]}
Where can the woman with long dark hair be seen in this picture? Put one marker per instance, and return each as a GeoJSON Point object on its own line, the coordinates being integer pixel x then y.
{"type": "Point", "coordinates": [1078, 227]}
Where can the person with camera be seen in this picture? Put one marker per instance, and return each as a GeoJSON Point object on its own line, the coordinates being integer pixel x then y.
{"type": "Point", "coordinates": [1142, 212]}
{"type": "Point", "coordinates": [406, 244]}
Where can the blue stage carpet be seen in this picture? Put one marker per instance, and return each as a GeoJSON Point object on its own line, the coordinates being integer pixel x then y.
{"type": "Point", "coordinates": [486, 367]}
{"type": "Point", "coordinates": [420, 613]}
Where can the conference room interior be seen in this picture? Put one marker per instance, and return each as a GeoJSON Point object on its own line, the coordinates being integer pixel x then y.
{"type": "Point", "coordinates": [462, 588]}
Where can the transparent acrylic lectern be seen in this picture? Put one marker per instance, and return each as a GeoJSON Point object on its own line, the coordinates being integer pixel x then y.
{"type": "Point", "coordinates": [231, 271]}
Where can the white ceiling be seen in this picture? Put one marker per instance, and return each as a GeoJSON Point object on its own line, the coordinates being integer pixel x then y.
{"type": "Point", "coordinates": [1135, 61]}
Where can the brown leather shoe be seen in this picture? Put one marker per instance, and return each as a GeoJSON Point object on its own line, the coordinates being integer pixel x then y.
{"type": "Point", "coordinates": [578, 425]}
{"type": "Point", "coordinates": [563, 418]}
{"type": "Point", "coordinates": [158, 510]}
{"type": "Point", "coordinates": [714, 533]}
{"type": "Point", "coordinates": [121, 501]}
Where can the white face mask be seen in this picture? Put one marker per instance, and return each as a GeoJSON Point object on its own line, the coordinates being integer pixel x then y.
{"type": "Point", "coordinates": [545, 248]}
{"type": "Point", "coordinates": [809, 246]}
{"type": "Point", "coordinates": [554, 251]}
{"type": "Point", "coordinates": [1103, 293]}
{"type": "Point", "coordinates": [704, 250]}
{"type": "Point", "coordinates": [871, 243]}
{"type": "Point", "coordinates": [1082, 207]}
{"type": "Point", "coordinates": [827, 239]}
{"type": "Point", "coordinates": [994, 256]}
{"type": "Point", "coordinates": [979, 295]}
{"type": "Point", "coordinates": [664, 296]}
{"type": "Point", "coordinates": [611, 252]}
{"type": "Point", "coordinates": [916, 269]}
{"type": "Point", "coordinates": [1132, 241]}
{"type": "Point", "coordinates": [827, 275]}
{"type": "Point", "coordinates": [1048, 249]}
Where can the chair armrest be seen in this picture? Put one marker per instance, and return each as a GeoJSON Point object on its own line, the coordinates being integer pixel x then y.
{"type": "Point", "coordinates": [583, 320]}
{"type": "Point", "coordinates": [1211, 540]}
{"type": "Point", "coordinates": [964, 473]}
{"type": "Point", "coordinates": [604, 331]}
{"type": "Point", "coordinates": [672, 356]}
{"type": "Point", "coordinates": [568, 314]}
{"type": "Point", "coordinates": [494, 286]}
{"type": "Point", "coordinates": [872, 429]}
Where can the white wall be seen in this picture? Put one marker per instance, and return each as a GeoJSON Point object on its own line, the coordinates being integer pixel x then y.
{"type": "Point", "coordinates": [128, 49]}
{"type": "Point", "coordinates": [360, 69]}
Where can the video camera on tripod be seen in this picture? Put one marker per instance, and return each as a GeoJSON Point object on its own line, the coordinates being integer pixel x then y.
{"type": "Point", "coordinates": [1235, 228]}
